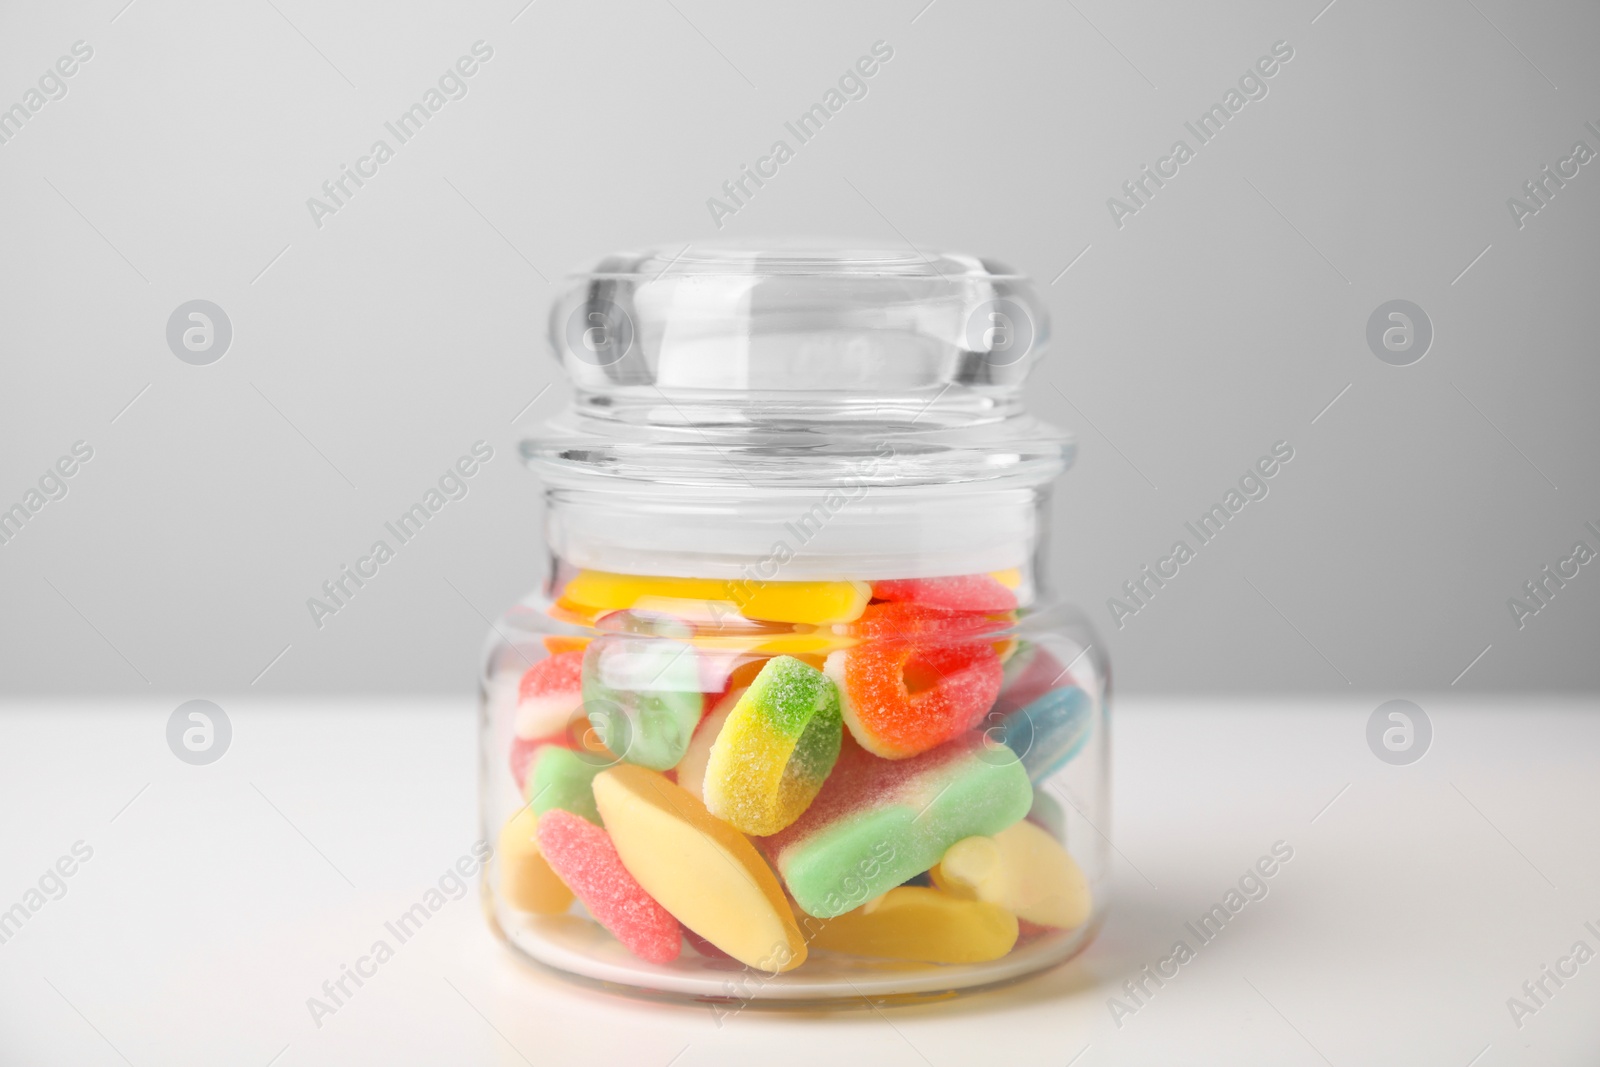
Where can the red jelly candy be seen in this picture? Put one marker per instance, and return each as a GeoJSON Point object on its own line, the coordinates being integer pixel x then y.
{"type": "Point", "coordinates": [964, 592]}
{"type": "Point", "coordinates": [901, 697]}
{"type": "Point", "coordinates": [583, 857]}
{"type": "Point", "coordinates": [550, 693]}
{"type": "Point", "coordinates": [916, 622]}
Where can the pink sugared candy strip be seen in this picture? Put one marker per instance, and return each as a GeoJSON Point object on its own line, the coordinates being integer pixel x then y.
{"type": "Point", "coordinates": [549, 695]}
{"type": "Point", "coordinates": [963, 592]}
{"type": "Point", "coordinates": [583, 857]}
{"type": "Point", "coordinates": [904, 621]}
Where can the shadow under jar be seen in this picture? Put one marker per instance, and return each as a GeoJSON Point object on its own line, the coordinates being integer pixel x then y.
{"type": "Point", "coordinates": [795, 717]}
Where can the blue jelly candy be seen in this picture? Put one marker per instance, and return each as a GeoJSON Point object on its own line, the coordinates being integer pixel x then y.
{"type": "Point", "coordinates": [1048, 732]}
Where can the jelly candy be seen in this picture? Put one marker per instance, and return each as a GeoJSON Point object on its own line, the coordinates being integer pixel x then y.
{"type": "Point", "coordinates": [549, 695]}
{"type": "Point", "coordinates": [777, 745]}
{"type": "Point", "coordinates": [915, 622]}
{"type": "Point", "coordinates": [555, 644]}
{"type": "Point", "coordinates": [583, 855]}
{"type": "Point", "coordinates": [579, 736]}
{"type": "Point", "coordinates": [561, 778]}
{"type": "Point", "coordinates": [1048, 732]}
{"type": "Point", "coordinates": [878, 742]}
{"type": "Point", "coordinates": [692, 768]}
{"type": "Point", "coordinates": [549, 703]}
{"type": "Point", "coordinates": [966, 592]}
{"type": "Point", "coordinates": [702, 870]}
{"type": "Point", "coordinates": [815, 603]}
{"type": "Point", "coordinates": [526, 881]}
{"type": "Point", "coordinates": [913, 923]}
{"type": "Point", "coordinates": [902, 696]}
{"type": "Point", "coordinates": [878, 822]}
{"type": "Point", "coordinates": [1022, 869]}
{"type": "Point", "coordinates": [642, 695]}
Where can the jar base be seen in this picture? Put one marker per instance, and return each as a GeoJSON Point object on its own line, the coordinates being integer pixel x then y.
{"type": "Point", "coordinates": [577, 949]}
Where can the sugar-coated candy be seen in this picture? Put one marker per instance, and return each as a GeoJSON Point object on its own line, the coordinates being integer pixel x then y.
{"type": "Point", "coordinates": [914, 923]}
{"type": "Point", "coordinates": [965, 592]}
{"type": "Point", "coordinates": [1022, 869]}
{"type": "Point", "coordinates": [899, 621]}
{"type": "Point", "coordinates": [579, 736]}
{"type": "Point", "coordinates": [878, 822]}
{"type": "Point", "coordinates": [814, 603]}
{"type": "Point", "coordinates": [561, 778]}
{"type": "Point", "coordinates": [549, 708]}
{"type": "Point", "coordinates": [583, 855]}
{"type": "Point", "coordinates": [549, 695]}
{"type": "Point", "coordinates": [777, 745]}
{"type": "Point", "coordinates": [526, 881]}
{"type": "Point", "coordinates": [904, 696]}
{"type": "Point", "coordinates": [692, 768]}
{"type": "Point", "coordinates": [753, 767]}
{"type": "Point", "coordinates": [702, 870]}
{"type": "Point", "coordinates": [1047, 733]}
{"type": "Point", "coordinates": [642, 694]}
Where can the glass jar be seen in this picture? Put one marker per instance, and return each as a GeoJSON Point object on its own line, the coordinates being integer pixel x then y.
{"type": "Point", "coordinates": [795, 717]}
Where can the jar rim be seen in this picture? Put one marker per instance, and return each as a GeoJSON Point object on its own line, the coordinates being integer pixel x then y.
{"type": "Point", "coordinates": [792, 257]}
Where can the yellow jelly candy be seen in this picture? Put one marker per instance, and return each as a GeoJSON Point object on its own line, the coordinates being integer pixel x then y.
{"type": "Point", "coordinates": [703, 871]}
{"type": "Point", "coordinates": [770, 757]}
{"type": "Point", "coordinates": [917, 923]}
{"type": "Point", "coordinates": [526, 881]}
{"type": "Point", "coordinates": [814, 603]}
{"type": "Point", "coordinates": [1011, 579]}
{"type": "Point", "coordinates": [1022, 869]}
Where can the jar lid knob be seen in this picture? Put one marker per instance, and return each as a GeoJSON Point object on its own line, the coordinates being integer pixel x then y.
{"type": "Point", "coordinates": [797, 319]}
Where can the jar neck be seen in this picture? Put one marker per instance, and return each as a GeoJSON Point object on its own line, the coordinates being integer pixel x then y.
{"type": "Point", "coordinates": [857, 531]}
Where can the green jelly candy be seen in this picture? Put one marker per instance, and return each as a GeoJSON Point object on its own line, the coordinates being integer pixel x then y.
{"type": "Point", "coordinates": [564, 778]}
{"type": "Point", "coordinates": [642, 696]}
{"type": "Point", "coordinates": [879, 822]}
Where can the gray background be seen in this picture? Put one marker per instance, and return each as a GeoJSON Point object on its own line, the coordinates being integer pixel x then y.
{"type": "Point", "coordinates": [367, 355]}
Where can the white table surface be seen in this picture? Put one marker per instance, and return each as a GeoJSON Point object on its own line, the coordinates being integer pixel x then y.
{"type": "Point", "coordinates": [221, 897]}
